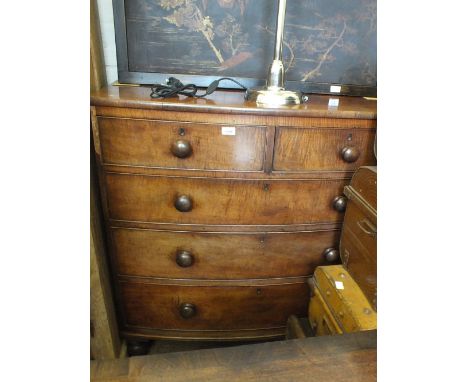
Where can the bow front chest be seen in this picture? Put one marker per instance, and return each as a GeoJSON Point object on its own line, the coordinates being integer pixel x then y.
{"type": "Point", "coordinates": [217, 211]}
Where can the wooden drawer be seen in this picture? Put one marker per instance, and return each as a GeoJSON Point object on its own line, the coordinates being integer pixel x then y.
{"type": "Point", "coordinates": [204, 255]}
{"type": "Point", "coordinates": [221, 201]}
{"type": "Point", "coordinates": [321, 149]}
{"type": "Point", "coordinates": [216, 307]}
{"type": "Point", "coordinates": [148, 143]}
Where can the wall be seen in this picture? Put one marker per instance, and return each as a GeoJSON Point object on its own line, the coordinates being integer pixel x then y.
{"type": "Point", "coordinates": [106, 21]}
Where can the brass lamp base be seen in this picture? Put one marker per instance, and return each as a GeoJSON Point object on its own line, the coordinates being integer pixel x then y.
{"type": "Point", "coordinates": [273, 96]}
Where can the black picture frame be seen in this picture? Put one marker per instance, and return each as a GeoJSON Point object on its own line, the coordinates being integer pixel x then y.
{"type": "Point", "coordinates": [127, 76]}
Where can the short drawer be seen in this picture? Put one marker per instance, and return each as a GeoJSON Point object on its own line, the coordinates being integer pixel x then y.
{"type": "Point", "coordinates": [221, 201]}
{"type": "Point", "coordinates": [323, 149]}
{"type": "Point", "coordinates": [181, 145]}
{"type": "Point", "coordinates": [202, 255]}
{"type": "Point", "coordinates": [192, 307]}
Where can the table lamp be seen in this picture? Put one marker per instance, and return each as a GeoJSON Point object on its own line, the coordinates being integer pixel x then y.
{"type": "Point", "coordinates": [274, 94]}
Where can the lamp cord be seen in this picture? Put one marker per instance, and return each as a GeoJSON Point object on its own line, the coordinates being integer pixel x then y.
{"type": "Point", "coordinates": [175, 86]}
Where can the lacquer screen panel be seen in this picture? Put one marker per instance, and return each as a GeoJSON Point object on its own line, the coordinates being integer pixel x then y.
{"type": "Point", "coordinates": [326, 41]}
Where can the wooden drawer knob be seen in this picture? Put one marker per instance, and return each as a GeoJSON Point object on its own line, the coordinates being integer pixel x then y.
{"type": "Point", "coordinates": [350, 154]}
{"type": "Point", "coordinates": [331, 255]}
{"type": "Point", "coordinates": [339, 203]}
{"type": "Point", "coordinates": [187, 310]}
{"type": "Point", "coordinates": [181, 148]}
{"type": "Point", "coordinates": [184, 259]}
{"type": "Point", "coordinates": [183, 203]}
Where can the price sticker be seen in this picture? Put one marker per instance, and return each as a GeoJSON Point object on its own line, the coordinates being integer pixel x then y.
{"type": "Point", "coordinates": [333, 102]}
{"type": "Point", "coordinates": [339, 285]}
{"type": "Point", "coordinates": [225, 130]}
{"type": "Point", "coordinates": [335, 89]}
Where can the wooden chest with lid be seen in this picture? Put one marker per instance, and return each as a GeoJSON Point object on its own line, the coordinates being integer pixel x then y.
{"type": "Point", "coordinates": [358, 244]}
{"type": "Point", "coordinates": [217, 210]}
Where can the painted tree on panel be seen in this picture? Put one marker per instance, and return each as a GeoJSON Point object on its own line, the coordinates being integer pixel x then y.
{"type": "Point", "coordinates": [191, 14]}
{"type": "Point", "coordinates": [323, 39]}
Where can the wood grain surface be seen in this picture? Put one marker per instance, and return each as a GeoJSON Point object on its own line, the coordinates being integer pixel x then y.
{"type": "Point", "coordinates": [148, 143]}
{"type": "Point", "coordinates": [217, 307]}
{"type": "Point", "coordinates": [251, 226]}
{"type": "Point", "coordinates": [341, 358]}
{"type": "Point", "coordinates": [222, 255]}
{"type": "Point", "coordinates": [320, 149]}
{"type": "Point", "coordinates": [230, 201]}
{"type": "Point", "coordinates": [250, 119]}
{"type": "Point", "coordinates": [233, 102]}
{"type": "Point", "coordinates": [364, 186]}
{"type": "Point", "coordinates": [358, 244]}
{"type": "Point", "coordinates": [361, 228]}
{"type": "Point", "coordinates": [320, 316]}
{"type": "Point", "coordinates": [359, 250]}
{"type": "Point", "coordinates": [348, 305]}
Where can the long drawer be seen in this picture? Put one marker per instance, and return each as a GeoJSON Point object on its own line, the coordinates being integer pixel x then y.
{"type": "Point", "coordinates": [201, 255]}
{"type": "Point", "coordinates": [192, 307]}
{"type": "Point", "coordinates": [323, 149]}
{"type": "Point", "coordinates": [221, 201]}
{"type": "Point", "coordinates": [181, 145]}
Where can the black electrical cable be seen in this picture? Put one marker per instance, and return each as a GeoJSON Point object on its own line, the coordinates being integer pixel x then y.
{"type": "Point", "coordinates": [174, 87]}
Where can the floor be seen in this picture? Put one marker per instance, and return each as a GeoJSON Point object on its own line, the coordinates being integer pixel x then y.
{"type": "Point", "coordinates": [341, 358]}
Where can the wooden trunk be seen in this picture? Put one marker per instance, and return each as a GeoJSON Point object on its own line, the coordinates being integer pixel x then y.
{"type": "Point", "coordinates": [217, 210]}
{"type": "Point", "coordinates": [338, 304]}
{"type": "Point", "coordinates": [358, 245]}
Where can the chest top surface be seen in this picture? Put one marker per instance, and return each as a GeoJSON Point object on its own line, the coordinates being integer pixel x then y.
{"type": "Point", "coordinates": [233, 102]}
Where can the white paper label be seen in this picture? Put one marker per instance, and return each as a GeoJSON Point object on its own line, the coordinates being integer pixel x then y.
{"type": "Point", "coordinates": [228, 130]}
{"type": "Point", "coordinates": [339, 285]}
{"type": "Point", "coordinates": [335, 89]}
{"type": "Point", "coordinates": [333, 102]}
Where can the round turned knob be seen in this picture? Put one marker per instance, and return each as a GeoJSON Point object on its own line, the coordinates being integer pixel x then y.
{"type": "Point", "coordinates": [183, 203]}
{"type": "Point", "coordinates": [181, 148]}
{"type": "Point", "coordinates": [339, 203]}
{"type": "Point", "coordinates": [184, 259]}
{"type": "Point", "coordinates": [187, 310]}
{"type": "Point", "coordinates": [350, 154]}
{"type": "Point", "coordinates": [331, 255]}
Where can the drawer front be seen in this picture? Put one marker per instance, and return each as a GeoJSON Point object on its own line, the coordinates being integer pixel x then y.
{"type": "Point", "coordinates": [202, 255]}
{"type": "Point", "coordinates": [181, 145]}
{"type": "Point", "coordinates": [322, 149]}
{"type": "Point", "coordinates": [221, 201]}
{"type": "Point", "coordinates": [190, 307]}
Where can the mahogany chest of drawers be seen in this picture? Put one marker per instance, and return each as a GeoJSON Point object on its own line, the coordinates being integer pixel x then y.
{"type": "Point", "coordinates": [217, 211]}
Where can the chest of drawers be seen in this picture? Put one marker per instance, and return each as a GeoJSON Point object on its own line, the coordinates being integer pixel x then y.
{"type": "Point", "coordinates": [217, 211]}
